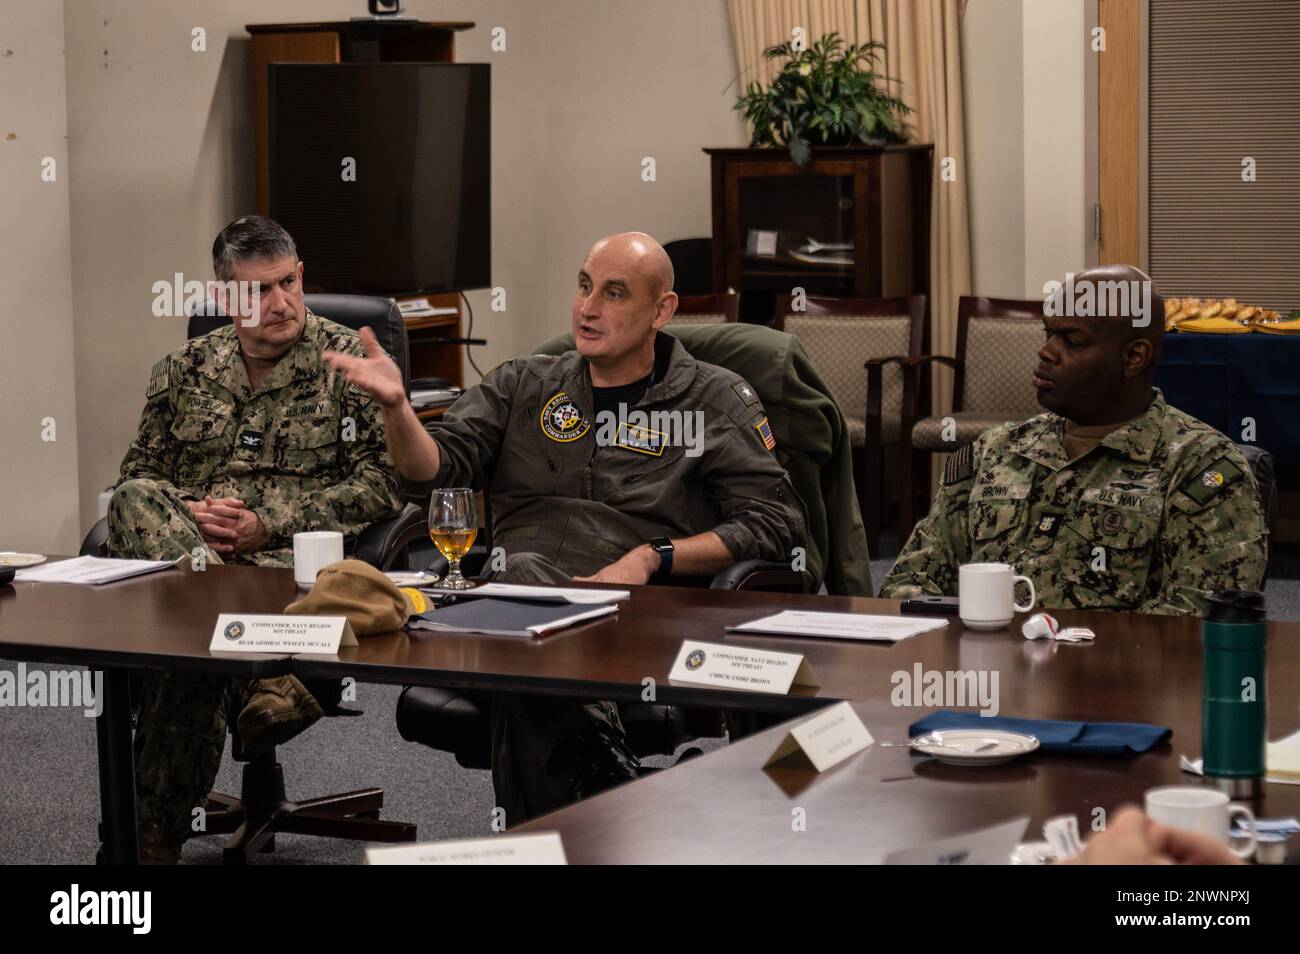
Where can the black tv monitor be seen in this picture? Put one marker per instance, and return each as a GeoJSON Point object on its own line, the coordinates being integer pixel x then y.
{"type": "Point", "coordinates": [417, 217]}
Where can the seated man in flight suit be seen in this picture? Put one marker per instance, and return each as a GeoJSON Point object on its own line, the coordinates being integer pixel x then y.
{"type": "Point", "coordinates": [1111, 499]}
{"type": "Point", "coordinates": [575, 496]}
{"type": "Point", "coordinates": [244, 441]}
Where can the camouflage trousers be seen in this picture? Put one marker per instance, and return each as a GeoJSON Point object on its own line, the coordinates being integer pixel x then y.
{"type": "Point", "coordinates": [180, 731]}
{"type": "Point", "coordinates": [536, 766]}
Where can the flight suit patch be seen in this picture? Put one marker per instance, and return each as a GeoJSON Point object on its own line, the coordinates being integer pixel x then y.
{"type": "Point", "coordinates": [643, 440]}
{"type": "Point", "coordinates": [960, 466]}
{"type": "Point", "coordinates": [562, 421]}
{"type": "Point", "coordinates": [765, 432]}
{"type": "Point", "coordinates": [1211, 481]}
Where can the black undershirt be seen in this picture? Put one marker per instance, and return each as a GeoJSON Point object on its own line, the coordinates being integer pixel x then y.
{"type": "Point", "coordinates": [608, 399]}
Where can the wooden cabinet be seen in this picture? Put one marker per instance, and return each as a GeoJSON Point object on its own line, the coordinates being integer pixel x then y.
{"type": "Point", "coordinates": [853, 223]}
{"type": "Point", "coordinates": [363, 41]}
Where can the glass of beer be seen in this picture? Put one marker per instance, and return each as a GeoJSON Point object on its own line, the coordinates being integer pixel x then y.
{"type": "Point", "coordinates": [453, 525]}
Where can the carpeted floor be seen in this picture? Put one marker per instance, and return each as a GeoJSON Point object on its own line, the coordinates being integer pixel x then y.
{"type": "Point", "coordinates": [49, 796]}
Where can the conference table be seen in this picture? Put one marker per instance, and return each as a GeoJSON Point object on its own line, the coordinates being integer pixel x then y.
{"type": "Point", "coordinates": [722, 806]}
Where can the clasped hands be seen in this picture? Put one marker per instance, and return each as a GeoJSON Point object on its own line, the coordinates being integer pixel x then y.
{"type": "Point", "coordinates": [227, 525]}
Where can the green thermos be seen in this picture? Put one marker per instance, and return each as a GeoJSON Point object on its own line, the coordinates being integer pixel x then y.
{"type": "Point", "coordinates": [1234, 701]}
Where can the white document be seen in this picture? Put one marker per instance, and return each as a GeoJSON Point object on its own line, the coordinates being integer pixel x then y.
{"type": "Point", "coordinates": [281, 633]}
{"type": "Point", "coordinates": [988, 846]}
{"type": "Point", "coordinates": [724, 666]}
{"type": "Point", "coordinates": [540, 849]}
{"type": "Point", "coordinates": [91, 570]}
{"type": "Point", "coordinates": [827, 739]}
{"type": "Point", "coordinates": [1281, 757]}
{"type": "Point", "coordinates": [889, 629]}
{"type": "Point", "coordinates": [420, 308]}
{"type": "Point", "coordinates": [549, 594]}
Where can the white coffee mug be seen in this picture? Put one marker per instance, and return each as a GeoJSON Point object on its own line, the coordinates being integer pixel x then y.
{"type": "Point", "coordinates": [1204, 810]}
{"type": "Point", "coordinates": [312, 552]}
{"type": "Point", "coordinates": [986, 594]}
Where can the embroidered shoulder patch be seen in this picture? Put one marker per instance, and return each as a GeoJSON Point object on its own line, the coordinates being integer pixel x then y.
{"type": "Point", "coordinates": [158, 378]}
{"type": "Point", "coordinates": [765, 432]}
{"type": "Point", "coordinates": [1211, 481]}
{"type": "Point", "coordinates": [960, 466]}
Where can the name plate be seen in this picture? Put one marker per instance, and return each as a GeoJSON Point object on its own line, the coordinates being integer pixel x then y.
{"type": "Point", "coordinates": [253, 633]}
{"type": "Point", "coordinates": [540, 849]}
{"type": "Point", "coordinates": [988, 846]}
{"type": "Point", "coordinates": [724, 666]}
{"type": "Point", "coordinates": [827, 739]}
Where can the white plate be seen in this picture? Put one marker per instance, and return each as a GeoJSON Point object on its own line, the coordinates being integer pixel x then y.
{"type": "Point", "coordinates": [20, 560]}
{"type": "Point", "coordinates": [1034, 853]}
{"type": "Point", "coordinates": [974, 747]}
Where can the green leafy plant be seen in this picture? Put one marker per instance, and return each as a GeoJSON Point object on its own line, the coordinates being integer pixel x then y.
{"type": "Point", "coordinates": [827, 94]}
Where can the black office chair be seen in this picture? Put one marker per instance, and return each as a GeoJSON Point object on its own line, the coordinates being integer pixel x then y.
{"type": "Point", "coordinates": [457, 722]}
{"type": "Point", "coordinates": [262, 808]}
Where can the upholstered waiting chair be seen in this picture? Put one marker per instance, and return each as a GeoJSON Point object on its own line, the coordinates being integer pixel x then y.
{"type": "Point", "coordinates": [707, 309]}
{"type": "Point", "coordinates": [997, 345]}
{"type": "Point", "coordinates": [858, 345]}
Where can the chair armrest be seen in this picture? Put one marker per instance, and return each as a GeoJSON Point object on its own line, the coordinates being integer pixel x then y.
{"type": "Point", "coordinates": [912, 368]}
{"type": "Point", "coordinates": [760, 575]}
{"type": "Point", "coordinates": [928, 358]}
{"type": "Point", "coordinates": [875, 393]}
{"type": "Point", "coordinates": [96, 540]}
{"type": "Point", "coordinates": [891, 359]}
{"type": "Point", "coordinates": [381, 543]}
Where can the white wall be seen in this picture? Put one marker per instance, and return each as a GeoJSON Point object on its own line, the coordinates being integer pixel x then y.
{"type": "Point", "coordinates": [1024, 82]}
{"type": "Point", "coordinates": [38, 478]}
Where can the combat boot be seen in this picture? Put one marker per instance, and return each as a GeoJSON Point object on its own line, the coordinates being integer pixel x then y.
{"type": "Point", "coordinates": [274, 711]}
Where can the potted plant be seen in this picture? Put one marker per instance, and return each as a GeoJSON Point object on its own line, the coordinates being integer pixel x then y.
{"type": "Point", "coordinates": [824, 94]}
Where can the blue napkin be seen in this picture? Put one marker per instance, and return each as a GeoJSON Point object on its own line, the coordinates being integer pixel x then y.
{"type": "Point", "coordinates": [1060, 738]}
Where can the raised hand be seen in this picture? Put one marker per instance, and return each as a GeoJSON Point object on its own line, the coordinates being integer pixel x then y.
{"type": "Point", "coordinates": [376, 374]}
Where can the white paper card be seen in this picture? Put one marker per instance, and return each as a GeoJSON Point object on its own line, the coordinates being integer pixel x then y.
{"type": "Point", "coordinates": [92, 571]}
{"type": "Point", "coordinates": [724, 666]}
{"type": "Point", "coordinates": [540, 849]}
{"type": "Point", "coordinates": [889, 629]}
{"type": "Point", "coordinates": [828, 738]}
{"type": "Point", "coordinates": [988, 846]}
{"type": "Point", "coordinates": [253, 633]}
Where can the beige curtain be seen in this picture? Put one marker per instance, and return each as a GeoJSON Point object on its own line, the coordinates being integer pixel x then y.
{"type": "Point", "coordinates": [923, 55]}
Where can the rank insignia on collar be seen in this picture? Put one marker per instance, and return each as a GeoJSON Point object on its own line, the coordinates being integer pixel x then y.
{"type": "Point", "coordinates": [250, 440]}
{"type": "Point", "coordinates": [562, 421]}
{"type": "Point", "coordinates": [765, 432]}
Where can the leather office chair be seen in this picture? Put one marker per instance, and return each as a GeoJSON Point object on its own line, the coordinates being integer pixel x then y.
{"type": "Point", "coordinates": [1263, 467]}
{"type": "Point", "coordinates": [812, 444]}
{"type": "Point", "coordinates": [706, 309]}
{"type": "Point", "coordinates": [859, 345]}
{"type": "Point", "coordinates": [262, 808]}
{"type": "Point", "coordinates": [997, 340]}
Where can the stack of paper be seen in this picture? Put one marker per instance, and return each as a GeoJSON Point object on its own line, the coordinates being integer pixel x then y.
{"type": "Point", "coordinates": [545, 594]}
{"type": "Point", "coordinates": [888, 629]}
{"type": "Point", "coordinates": [90, 570]}
{"type": "Point", "coordinates": [506, 617]}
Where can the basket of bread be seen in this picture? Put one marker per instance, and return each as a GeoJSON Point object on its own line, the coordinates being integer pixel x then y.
{"type": "Point", "coordinates": [1226, 316]}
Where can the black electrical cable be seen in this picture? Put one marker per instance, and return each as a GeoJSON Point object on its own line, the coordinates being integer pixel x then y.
{"type": "Point", "coordinates": [470, 334]}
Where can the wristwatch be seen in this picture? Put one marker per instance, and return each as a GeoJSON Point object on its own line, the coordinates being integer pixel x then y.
{"type": "Point", "coordinates": [664, 547]}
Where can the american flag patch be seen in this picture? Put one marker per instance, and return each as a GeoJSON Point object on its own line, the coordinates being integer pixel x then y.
{"type": "Point", "coordinates": [765, 431]}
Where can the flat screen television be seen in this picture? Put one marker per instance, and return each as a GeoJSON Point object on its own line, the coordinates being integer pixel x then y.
{"type": "Point", "coordinates": [411, 212]}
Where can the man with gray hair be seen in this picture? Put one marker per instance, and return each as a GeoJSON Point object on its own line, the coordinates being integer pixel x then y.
{"type": "Point", "coordinates": [245, 440]}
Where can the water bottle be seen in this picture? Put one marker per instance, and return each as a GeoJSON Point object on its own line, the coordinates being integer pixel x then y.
{"type": "Point", "coordinates": [1234, 702]}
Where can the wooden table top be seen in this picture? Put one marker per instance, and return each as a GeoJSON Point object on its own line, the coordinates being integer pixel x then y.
{"type": "Point", "coordinates": [725, 808]}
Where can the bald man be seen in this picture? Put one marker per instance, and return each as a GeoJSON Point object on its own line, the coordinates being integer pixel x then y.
{"type": "Point", "coordinates": [621, 460]}
{"type": "Point", "coordinates": [1112, 499]}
